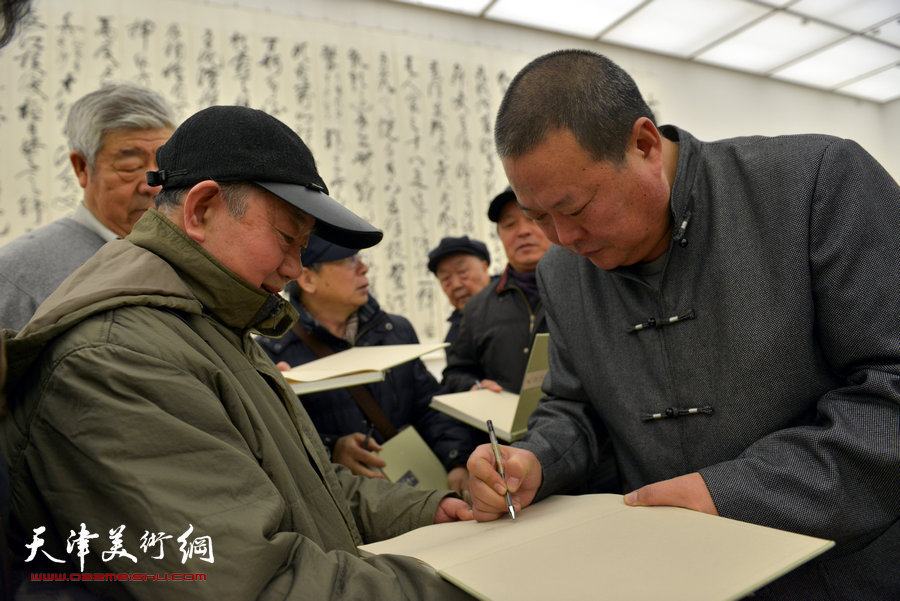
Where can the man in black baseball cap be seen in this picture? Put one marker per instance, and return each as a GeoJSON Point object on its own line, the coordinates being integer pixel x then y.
{"type": "Point", "coordinates": [238, 144]}
{"type": "Point", "coordinates": [461, 266]}
{"type": "Point", "coordinates": [139, 382]}
{"type": "Point", "coordinates": [499, 324]}
{"type": "Point", "coordinates": [498, 203]}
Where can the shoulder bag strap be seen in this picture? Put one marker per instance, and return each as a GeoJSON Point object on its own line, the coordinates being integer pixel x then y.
{"type": "Point", "coordinates": [361, 395]}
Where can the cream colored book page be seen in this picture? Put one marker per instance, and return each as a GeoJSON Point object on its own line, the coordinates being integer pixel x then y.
{"type": "Point", "coordinates": [359, 359]}
{"type": "Point", "coordinates": [443, 545]}
{"type": "Point", "coordinates": [564, 547]}
{"type": "Point", "coordinates": [639, 554]}
{"type": "Point", "coordinates": [477, 406]}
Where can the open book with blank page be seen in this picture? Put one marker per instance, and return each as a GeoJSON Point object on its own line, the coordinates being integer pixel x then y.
{"type": "Point", "coordinates": [356, 365]}
{"type": "Point", "coordinates": [595, 547]}
{"type": "Point", "coordinates": [508, 411]}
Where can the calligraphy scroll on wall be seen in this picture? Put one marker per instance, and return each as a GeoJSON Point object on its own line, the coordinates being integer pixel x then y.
{"type": "Point", "coordinates": [401, 126]}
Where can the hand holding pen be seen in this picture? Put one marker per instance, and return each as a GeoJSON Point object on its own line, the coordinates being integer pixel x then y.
{"type": "Point", "coordinates": [496, 448]}
{"type": "Point", "coordinates": [489, 489]}
{"type": "Point", "coordinates": [486, 385]}
{"type": "Point", "coordinates": [356, 452]}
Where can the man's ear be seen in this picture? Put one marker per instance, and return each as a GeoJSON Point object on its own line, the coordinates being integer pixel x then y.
{"type": "Point", "coordinates": [646, 138]}
{"type": "Point", "coordinates": [79, 164]}
{"type": "Point", "coordinates": [201, 204]}
{"type": "Point", "coordinates": [307, 280]}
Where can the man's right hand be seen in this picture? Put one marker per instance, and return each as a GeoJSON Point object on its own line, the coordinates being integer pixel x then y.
{"type": "Point", "coordinates": [523, 477]}
{"type": "Point", "coordinates": [349, 451]}
{"type": "Point", "coordinates": [487, 385]}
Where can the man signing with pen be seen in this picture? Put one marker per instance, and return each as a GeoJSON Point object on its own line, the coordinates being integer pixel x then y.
{"type": "Point", "coordinates": [723, 323]}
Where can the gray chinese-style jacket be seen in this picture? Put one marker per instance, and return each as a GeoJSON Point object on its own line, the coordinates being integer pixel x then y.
{"type": "Point", "coordinates": [783, 276]}
{"type": "Point", "coordinates": [138, 398]}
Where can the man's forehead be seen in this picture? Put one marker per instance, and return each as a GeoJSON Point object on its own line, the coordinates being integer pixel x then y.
{"type": "Point", "coordinates": [134, 134]}
{"type": "Point", "coordinates": [124, 143]}
{"type": "Point", "coordinates": [558, 202]}
{"type": "Point", "coordinates": [298, 215]}
{"type": "Point", "coordinates": [456, 260]}
{"type": "Point", "coordinates": [286, 209]}
{"type": "Point", "coordinates": [513, 206]}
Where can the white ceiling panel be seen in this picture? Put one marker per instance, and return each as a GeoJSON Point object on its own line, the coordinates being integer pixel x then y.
{"type": "Point", "coordinates": [584, 18]}
{"type": "Point", "coordinates": [847, 46]}
{"type": "Point", "coordinates": [469, 7]}
{"type": "Point", "coordinates": [853, 58]}
{"type": "Point", "coordinates": [770, 43]}
{"type": "Point", "coordinates": [889, 32]}
{"type": "Point", "coordinates": [682, 27]}
{"type": "Point", "coordinates": [881, 87]}
{"type": "Point", "coordinates": [857, 15]}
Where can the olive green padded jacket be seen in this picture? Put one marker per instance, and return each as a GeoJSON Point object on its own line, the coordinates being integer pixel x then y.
{"type": "Point", "coordinates": [138, 398]}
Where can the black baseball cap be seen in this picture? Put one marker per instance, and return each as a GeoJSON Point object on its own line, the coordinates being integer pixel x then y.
{"type": "Point", "coordinates": [237, 144]}
{"type": "Point", "coordinates": [496, 206]}
{"type": "Point", "coordinates": [450, 246]}
{"type": "Point", "coordinates": [322, 251]}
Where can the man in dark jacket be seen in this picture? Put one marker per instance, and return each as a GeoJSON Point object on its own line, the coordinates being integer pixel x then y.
{"type": "Point", "coordinates": [332, 297]}
{"type": "Point", "coordinates": [727, 309]}
{"type": "Point", "coordinates": [140, 403]}
{"type": "Point", "coordinates": [461, 266]}
{"type": "Point", "coordinates": [500, 322]}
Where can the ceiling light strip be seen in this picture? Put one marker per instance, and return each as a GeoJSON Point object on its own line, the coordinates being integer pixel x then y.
{"type": "Point", "coordinates": [871, 73]}
{"type": "Point", "coordinates": [732, 34]}
{"type": "Point", "coordinates": [620, 20]}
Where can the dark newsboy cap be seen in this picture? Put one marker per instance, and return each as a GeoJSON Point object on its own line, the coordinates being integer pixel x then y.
{"type": "Point", "coordinates": [496, 206]}
{"type": "Point", "coordinates": [450, 246]}
{"type": "Point", "coordinates": [240, 144]}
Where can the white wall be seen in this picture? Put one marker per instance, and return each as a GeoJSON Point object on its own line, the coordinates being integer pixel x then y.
{"type": "Point", "coordinates": [417, 193]}
{"type": "Point", "coordinates": [708, 101]}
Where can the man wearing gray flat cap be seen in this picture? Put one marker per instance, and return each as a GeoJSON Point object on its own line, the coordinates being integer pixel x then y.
{"type": "Point", "coordinates": [140, 403]}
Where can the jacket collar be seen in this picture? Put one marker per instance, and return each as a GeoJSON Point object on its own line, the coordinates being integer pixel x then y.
{"type": "Point", "coordinates": [506, 281]}
{"type": "Point", "coordinates": [223, 294]}
{"type": "Point", "coordinates": [367, 315]}
{"type": "Point", "coordinates": [681, 198]}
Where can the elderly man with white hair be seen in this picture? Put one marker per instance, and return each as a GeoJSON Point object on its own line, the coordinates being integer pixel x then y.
{"type": "Point", "coordinates": [113, 134]}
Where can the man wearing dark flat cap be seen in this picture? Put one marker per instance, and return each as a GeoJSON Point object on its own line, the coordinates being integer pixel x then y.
{"type": "Point", "coordinates": [146, 423]}
{"type": "Point", "coordinates": [461, 267]}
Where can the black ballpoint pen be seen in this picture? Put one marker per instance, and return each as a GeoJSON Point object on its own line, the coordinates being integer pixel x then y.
{"type": "Point", "coordinates": [496, 447]}
{"type": "Point", "coordinates": [369, 436]}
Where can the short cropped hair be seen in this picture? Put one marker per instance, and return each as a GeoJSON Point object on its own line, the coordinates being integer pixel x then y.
{"type": "Point", "coordinates": [235, 194]}
{"type": "Point", "coordinates": [114, 107]}
{"type": "Point", "coordinates": [578, 90]}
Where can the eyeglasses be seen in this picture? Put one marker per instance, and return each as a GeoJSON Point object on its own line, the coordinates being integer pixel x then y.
{"type": "Point", "coordinates": [351, 262]}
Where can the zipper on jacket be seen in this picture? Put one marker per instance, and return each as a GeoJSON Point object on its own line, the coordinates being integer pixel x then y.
{"type": "Point", "coordinates": [532, 314]}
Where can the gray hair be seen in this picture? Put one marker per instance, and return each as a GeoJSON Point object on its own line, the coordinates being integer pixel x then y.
{"type": "Point", "coordinates": [114, 107]}
{"type": "Point", "coordinates": [578, 90]}
{"type": "Point", "coordinates": [234, 193]}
